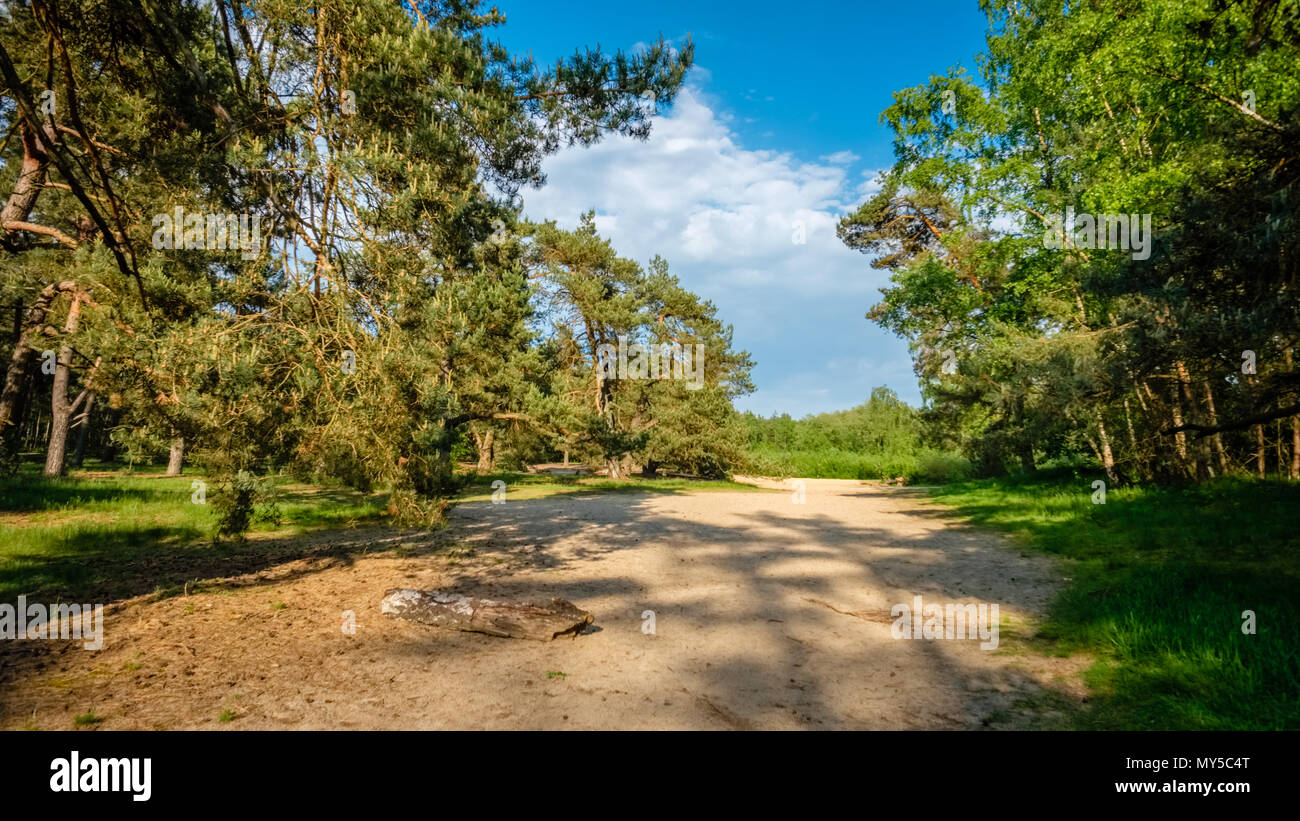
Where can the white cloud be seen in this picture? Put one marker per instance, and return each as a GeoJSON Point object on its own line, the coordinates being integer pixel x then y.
{"type": "Point", "coordinates": [727, 219]}
{"type": "Point", "coordinates": [841, 158]}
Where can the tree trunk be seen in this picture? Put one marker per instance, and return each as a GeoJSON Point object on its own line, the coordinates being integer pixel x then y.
{"type": "Point", "coordinates": [1093, 446]}
{"type": "Point", "coordinates": [1260, 452]}
{"type": "Point", "coordinates": [1279, 448]}
{"type": "Point", "coordinates": [14, 437]}
{"type": "Point", "coordinates": [1027, 457]}
{"type": "Point", "coordinates": [28, 186]}
{"type": "Point", "coordinates": [1216, 441]}
{"type": "Point", "coordinates": [542, 621]}
{"type": "Point", "coordinates": [83, 426]}
{"type": "Point", "coordinates": [1180, 438]}
{"type": "Point", "coordinates": [1139, 460]}
{"type": "Point", "coordinates": [60, 409]}
{"type": "Point", "coordinates": [650, 470]}
{"type": "Point", "coordinates": [24, 355]}
{"type": "Point", "coordinates": [60, 413]}
{"type": "Point", "coordinates": [1183, 398]}
{"type": "Point", "coordinates": [1295, 431]}
{"type": "Point", "coordinates": [1107, 456]}
{"type": "Point", "coordinates": [485, 452]}
{"type": "Point", "coordinates": [176, 457]}
{"type": "Point", "coordinates": [1295, 447]}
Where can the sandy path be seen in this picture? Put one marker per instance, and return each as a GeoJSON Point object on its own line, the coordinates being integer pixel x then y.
{"type": "Point", "coordinates": [768, 614]}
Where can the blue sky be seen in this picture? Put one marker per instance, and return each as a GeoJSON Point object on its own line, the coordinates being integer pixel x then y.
{"type": "Point", "coordinates": [778, 125]}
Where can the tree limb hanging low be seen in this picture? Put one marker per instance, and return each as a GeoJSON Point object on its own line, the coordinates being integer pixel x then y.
{"type": "Point", "coordinates": [1239, 424]}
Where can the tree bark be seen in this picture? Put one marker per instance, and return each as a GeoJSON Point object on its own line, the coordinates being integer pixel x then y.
{"type": "Point", "coordinates": [1183, 398]}
{"type": "Point", "coordinates": [1279, 448]}
{"type": "Point", "coordinates": [14, 439]}
{"type": "Point", "coordinates": [486, 455]}
{"type": "Point", "coordinates": [176, 456]}
{"type": "Point", "coordinates": [1139, 460]}
{"type": "Point", "coordinates": [61, 409]}
{"type": "Point", "coordinates": [83, 427]}
{"type": "Point", "coordinates": [1216, 441]}
{"type": "Point", "coordinates": [1180, 438]}
{"type": "Point", "coordinates": [1295, 447]}
{"type": "Point", "coordinates": [1295, 430]}
{"type": "Point", "coordinates": [1261, 452]}
{"type": "Point", "coordinates": [24, 355]}
{"type": "Point", "coordinates": [31, 180]}
{"type": "Point", "coordinates": [542, 621]}
{"type": "Point", "coordinates": [1107, 456]}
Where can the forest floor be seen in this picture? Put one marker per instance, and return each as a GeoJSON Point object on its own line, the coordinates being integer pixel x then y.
{"type": "Point", "coordinates": [765, 614]}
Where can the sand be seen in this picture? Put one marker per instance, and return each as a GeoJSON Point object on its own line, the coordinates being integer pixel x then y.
{"type": "Point", "coordinates": [767, 614]}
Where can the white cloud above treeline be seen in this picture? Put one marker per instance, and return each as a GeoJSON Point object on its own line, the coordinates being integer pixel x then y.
{"type": "Point", "coordinates": [726, 218]}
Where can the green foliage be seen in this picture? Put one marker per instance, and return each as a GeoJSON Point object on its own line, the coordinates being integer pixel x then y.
{"type": "Point", "coordinates": [882, 438]}
{"type": "Point", "coordinates": [1033, 342]}
{"type": "Point", "coordinates": [603, 314]}
{"type": "Point", "coordinates": [382, 304]}
{"type": "Point", "coordinates": [235, 501]}
{"type": "Point", "coordinates": [1159, 579]}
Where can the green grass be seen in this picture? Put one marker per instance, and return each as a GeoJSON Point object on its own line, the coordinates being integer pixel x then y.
{"type": "Point", "coordinates": [1159, 580]}
{"type": "Point", "coordinates": [87, 719]}
{"type": "Point", "coordinates": [832, 463]}
{"type": "Point", "coordinates": [103, 535]}
{"type": "Point", "coordinates": [521, 486]}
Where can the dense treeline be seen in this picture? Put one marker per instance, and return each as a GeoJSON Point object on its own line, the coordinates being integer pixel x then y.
{"type": "Point", "coordinates": [275, 236]}
{"type": "Point", "coordinates": [1096, 251]}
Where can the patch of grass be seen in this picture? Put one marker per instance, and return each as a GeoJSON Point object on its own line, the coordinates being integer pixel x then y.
{"type": "Point", "coordinates": [1159, 581]}
{"type": "Point", "coordinates": [554, 674]}
{"type": "Point", "coordinates": [85, 534]}
{"type": "Point", "coordinates": [923, 465]}
{"type": "Point", "coordinates": [87, 719]}
{"type": "Point", "coordinates": [226, 716]}
{"type": "Point", "coordinates": [536, 486]}
{"type": "Point", "coordinates": [112, 533]}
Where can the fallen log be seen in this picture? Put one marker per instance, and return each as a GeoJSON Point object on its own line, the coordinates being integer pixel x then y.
{"type": "Point", "coordinates": [539, 621]}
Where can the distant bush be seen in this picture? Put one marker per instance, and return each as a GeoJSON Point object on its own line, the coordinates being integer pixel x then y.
{"type": "Point", "coordinates": [880, 439]}
{"type": "Point", "coordinates": [939, 467]}
{"type": "Point", "coordinates": [928, 466]}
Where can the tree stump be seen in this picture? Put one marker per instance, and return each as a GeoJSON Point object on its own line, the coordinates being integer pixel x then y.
{"type": "Point", "coordinates": [542, 621]}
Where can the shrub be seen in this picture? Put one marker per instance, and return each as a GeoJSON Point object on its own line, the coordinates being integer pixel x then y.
{"type": "Point", "coordinates": [939, 467]}
{"type": "Point", "coordinates": [235, 502]}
